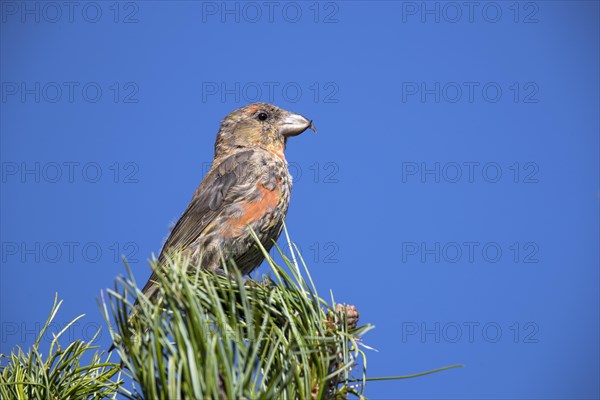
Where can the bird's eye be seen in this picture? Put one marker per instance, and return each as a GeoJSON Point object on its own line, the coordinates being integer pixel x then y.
{"type": "Point", "coordinates": [262, 116]}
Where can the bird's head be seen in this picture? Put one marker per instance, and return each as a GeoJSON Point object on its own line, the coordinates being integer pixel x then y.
{"type": "Point", "coordinates": [259, 125]}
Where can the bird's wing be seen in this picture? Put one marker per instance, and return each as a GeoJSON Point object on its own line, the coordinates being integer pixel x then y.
{"type": "Point", "coordinates": [223, 182]}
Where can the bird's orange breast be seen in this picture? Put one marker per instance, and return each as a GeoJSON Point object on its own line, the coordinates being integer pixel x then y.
{"type": "Point", "coordinates": [253, 211]}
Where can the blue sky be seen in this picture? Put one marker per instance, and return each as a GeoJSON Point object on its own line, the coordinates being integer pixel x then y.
{"type": "Point", "coordinates": [451, 193]}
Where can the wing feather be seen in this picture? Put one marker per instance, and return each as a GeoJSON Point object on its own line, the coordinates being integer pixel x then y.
{"type": "Point", "coordinates": [223, 183]}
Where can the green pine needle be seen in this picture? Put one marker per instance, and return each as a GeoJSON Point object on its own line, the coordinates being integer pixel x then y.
{"type": "Point", "coordinates": [59, 375]}
{"type": "Point", "coordinates": [210, 335]}
{"type": "Point", "coordinates": [206, 335]}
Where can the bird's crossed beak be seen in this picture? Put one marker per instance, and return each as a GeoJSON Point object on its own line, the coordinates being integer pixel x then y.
{"type": "Point", "coordinates": [295, 124]}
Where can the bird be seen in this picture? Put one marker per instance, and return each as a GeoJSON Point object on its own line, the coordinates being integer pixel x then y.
{"type": "Point", "coordinates": [247, 189]}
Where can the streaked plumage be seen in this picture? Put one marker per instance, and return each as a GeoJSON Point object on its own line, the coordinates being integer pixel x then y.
{"type": "Point", "coordinates": [248, 186]}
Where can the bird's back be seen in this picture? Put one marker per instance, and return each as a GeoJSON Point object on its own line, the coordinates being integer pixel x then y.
{"type": "Point", "coordinates": [249, 190]}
